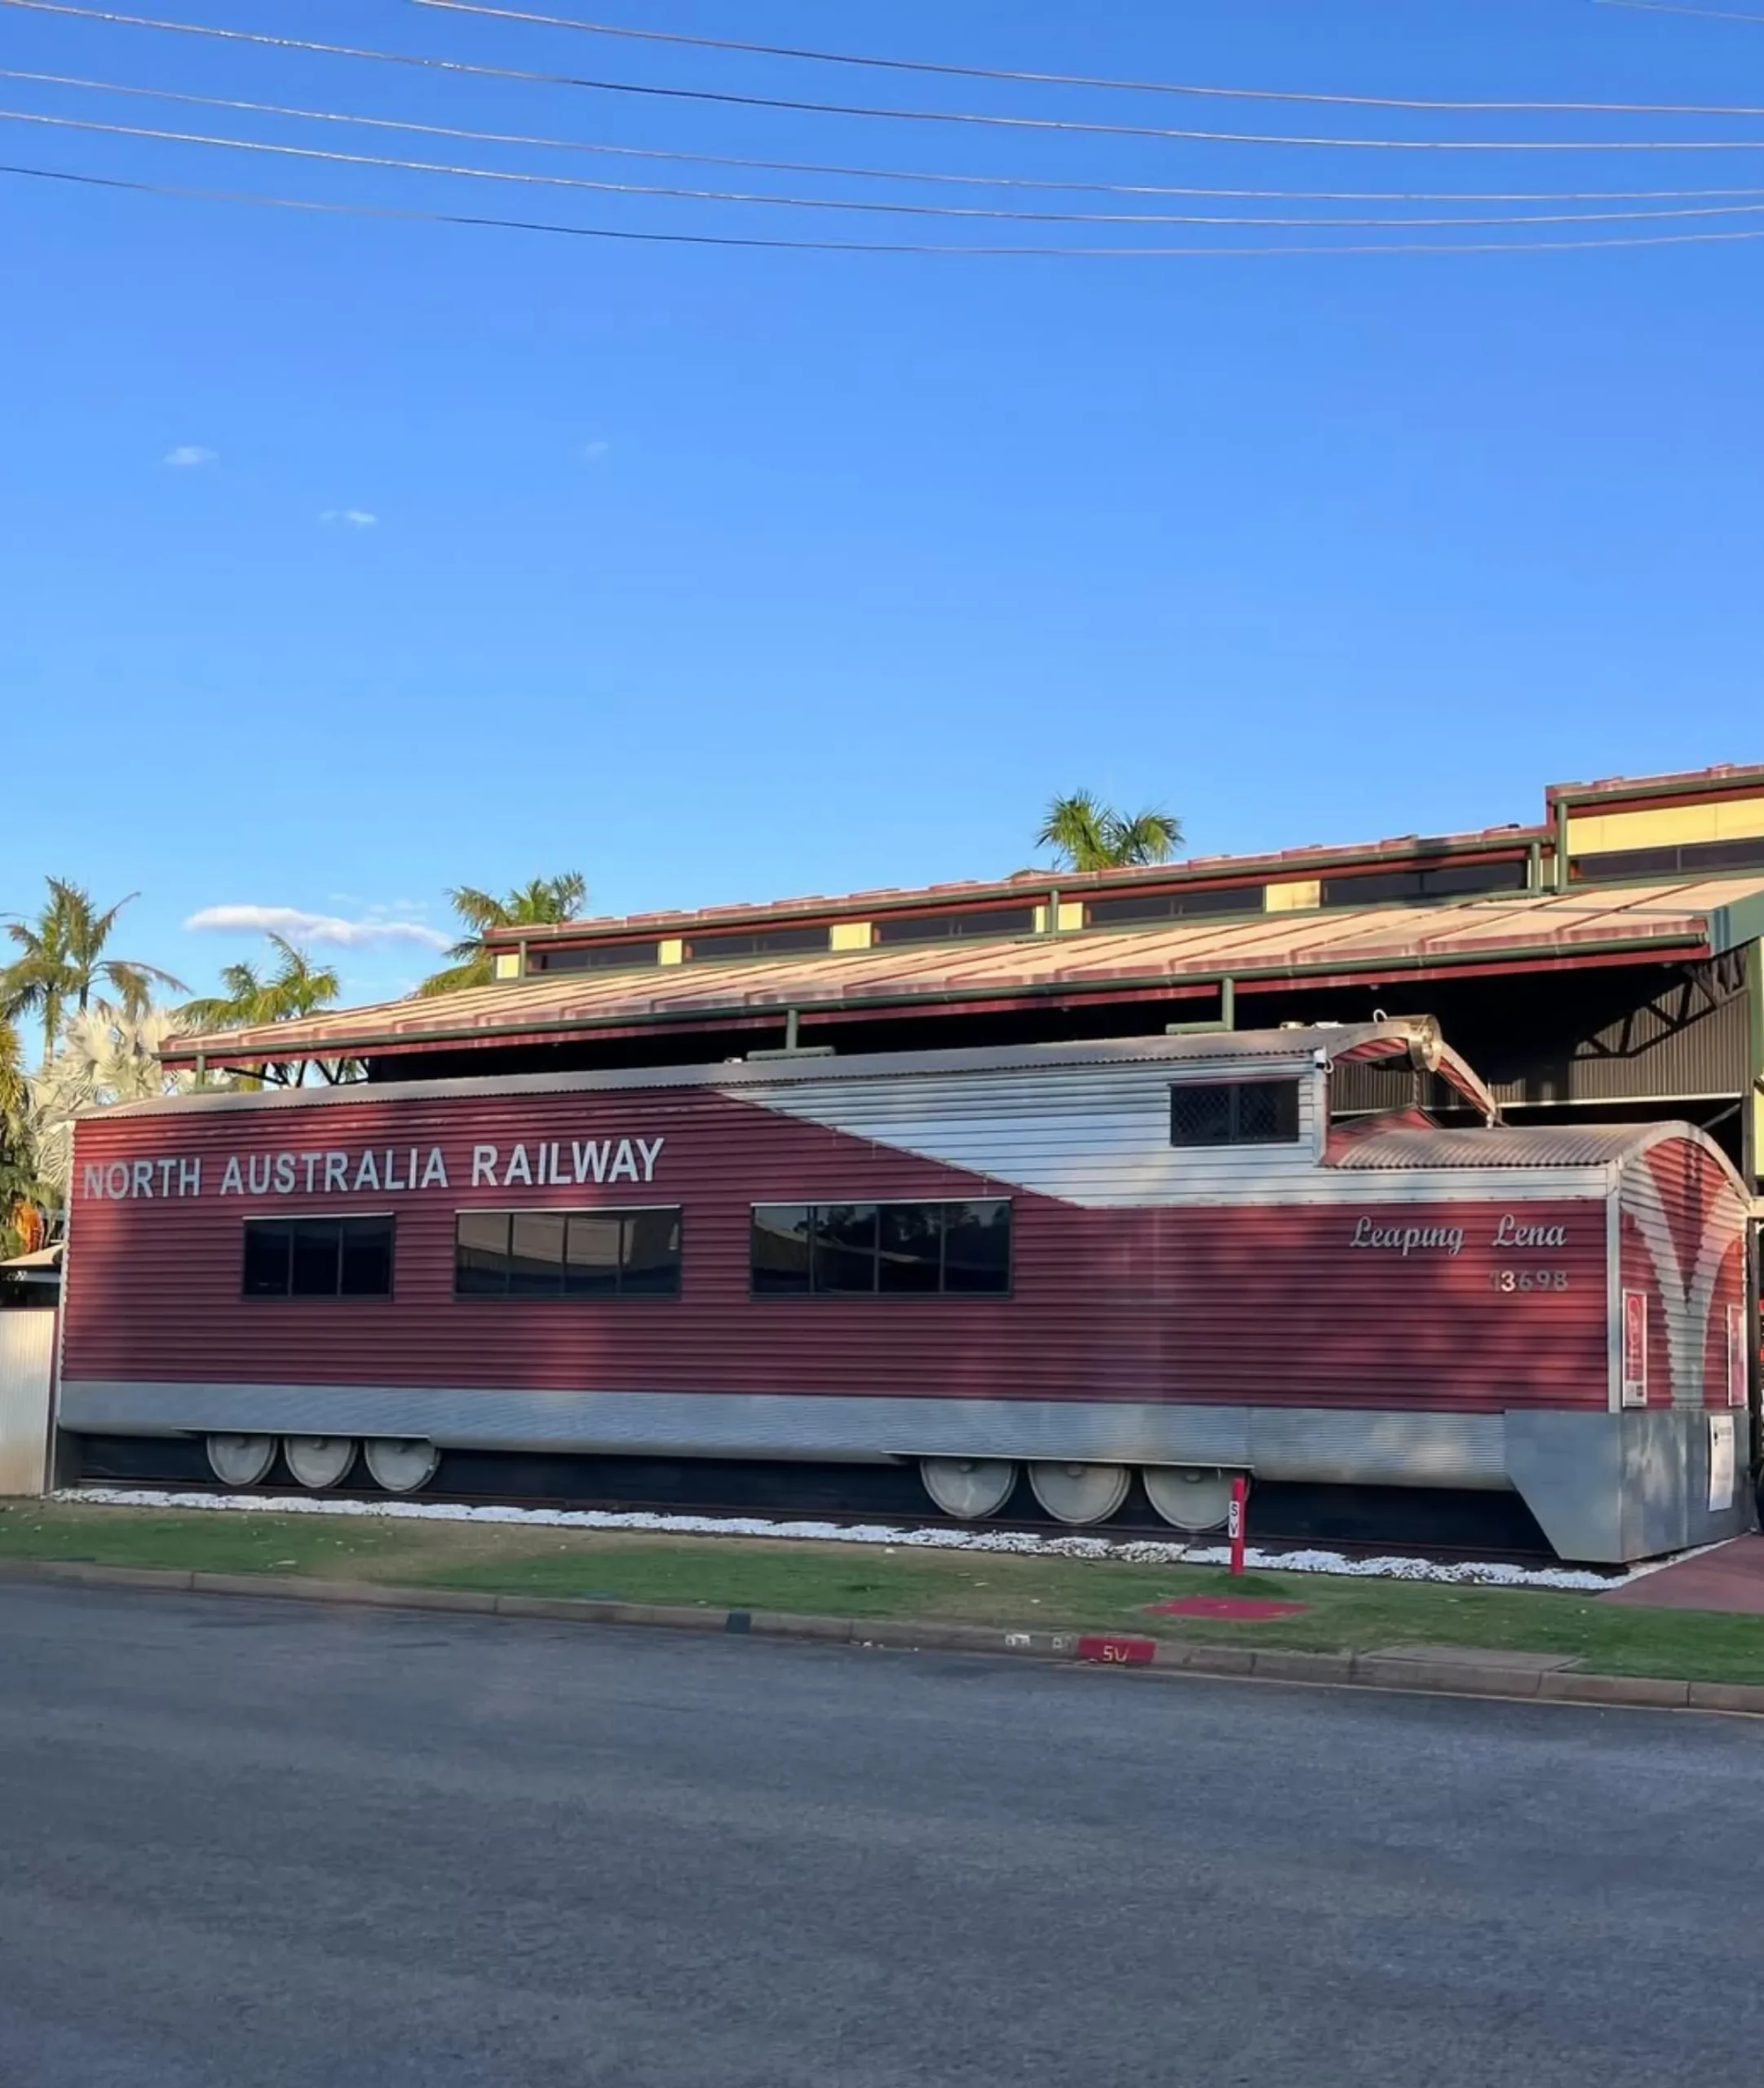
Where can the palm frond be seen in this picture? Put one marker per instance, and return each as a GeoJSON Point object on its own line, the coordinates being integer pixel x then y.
{"type": "Point", "coordinates": [1153, 836]}
{"type": "Point", "coordinates": [541, 902]}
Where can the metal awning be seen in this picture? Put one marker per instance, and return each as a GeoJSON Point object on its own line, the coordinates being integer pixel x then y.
{"type": "Point", "coordinates": [1179, 959]}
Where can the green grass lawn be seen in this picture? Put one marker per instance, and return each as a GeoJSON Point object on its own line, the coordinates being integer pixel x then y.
{"type": "Point", "coordinates": [1341, 1614]}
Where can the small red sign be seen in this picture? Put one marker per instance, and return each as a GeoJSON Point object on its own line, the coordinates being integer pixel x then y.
{"type": "Point", "coordinates": [1118, 1653]}
{"type": "Point", "coordinates": [1634, 1348]}
{"type": "Point", "coordinates": [1233, 1605]}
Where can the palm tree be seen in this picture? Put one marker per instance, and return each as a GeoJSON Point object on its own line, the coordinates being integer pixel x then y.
{"type": "Point", "coordinates": [538, 904]}
{"type": "Point", "coordinates": [252, 999]}
{"type": "Point", "coordinates": [1087, 835]}
{"type": "Point", "coordinates": [63, 960]}
{"type": "Point", "coordinates": [108, 1054]}
{"type": "Point", "coordinates": [18, 1217]}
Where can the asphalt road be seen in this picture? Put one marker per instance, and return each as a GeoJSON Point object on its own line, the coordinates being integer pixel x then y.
{"type": "Point", "coordinates": [247, 1842]}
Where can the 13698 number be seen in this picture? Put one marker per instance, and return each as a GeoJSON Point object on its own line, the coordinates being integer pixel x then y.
{"type": "Point", "coordinates": [1528, 1279]}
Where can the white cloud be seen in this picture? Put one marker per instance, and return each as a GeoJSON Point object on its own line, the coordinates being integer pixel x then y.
{"type": "Point", "coordinates": [593, 451]}
{"type": "Point", "coordinates": [352, 518]}
{"type": "Point", "coordinates": [188, 455]}
{"type": "Point", "coordinates": [300, 927]}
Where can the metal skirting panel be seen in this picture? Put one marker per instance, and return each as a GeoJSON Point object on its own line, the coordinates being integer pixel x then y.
{"type": "Point", "coordinates": [1349, 1447]}
{"type": "Point", "coordinates": [27, 1366]}
{"type": "Point", "coordinates": [1612, 1486]}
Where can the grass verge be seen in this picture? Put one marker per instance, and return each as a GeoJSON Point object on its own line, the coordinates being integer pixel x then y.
{"type": "Point", "coordinates": [836, 1580]}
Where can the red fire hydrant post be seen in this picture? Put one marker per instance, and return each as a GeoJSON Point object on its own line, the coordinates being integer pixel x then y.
{"type": "Point", "coordinates": [1234, 1523]}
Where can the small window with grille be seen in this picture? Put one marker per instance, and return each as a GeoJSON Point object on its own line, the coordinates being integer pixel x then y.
{"type": "Point", "coordinates": [1234, 1113]}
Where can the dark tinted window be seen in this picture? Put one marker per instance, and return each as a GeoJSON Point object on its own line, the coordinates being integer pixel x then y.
{"type": "Point", "coordinates": [894, 1250]}
{"type": "Point", "coordinates": [651, 1246]}
{"type": "Point", "coordinates": [1173, 905]}
{"type": "Point", "coordinates": [845, 1247]}
{"type": "Point", "coordinates": [266, 1260]}
{"type": "Point", "coordinates": [365, 1258]}
{"type": "Point", "coordinates": [1407, 888]}
{"type": "Point", "coordinates": [318, 1258]}
{"type": "Point", "coordinates": [1690, 859]}
{"type": "Point", "coordinates": [761, 942]}
{"type": "Point", "coordinates": [594, 1254]}
{"type": "Point", "coordinates": [593, 957]}
{"type": "Point", "coordinates": [1234, 1113]}
{"type": "Point", "coordinates": [911, 1247]}
{"type": "Point", "coordinates": [977, 1247]}
{"type": "Point", "coordinates": [567, 1253]}
{"type": "Point", "coordinates": [480, 1254]}
{"type": "Point", "coordinates": [536, 1254]}
{"type": "Point", "coordinates": [780, 1256]}
{"type": "Point", "coordinates": [939, 927]}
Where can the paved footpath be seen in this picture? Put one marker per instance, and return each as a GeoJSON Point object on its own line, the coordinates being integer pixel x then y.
{"type": "Point", "coordinates": [1728, 1577]}
{"type": "Point", "coordinates": [252, 1842]}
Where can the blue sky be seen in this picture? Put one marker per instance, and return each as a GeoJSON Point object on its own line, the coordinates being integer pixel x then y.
{"type": "Point", "coordinates": [730, 574]}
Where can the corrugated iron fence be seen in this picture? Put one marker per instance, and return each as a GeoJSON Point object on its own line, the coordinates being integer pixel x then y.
{"type": "Point", "coordinates": [27, 1364]}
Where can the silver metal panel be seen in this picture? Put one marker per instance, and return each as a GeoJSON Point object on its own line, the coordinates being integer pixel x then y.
{"type": "Point", "coordinates": [27, 1360]}
{"type": "Point", "coordinates": [1355, 1446]}
{"type": "Point", "coordinates": [1266, 1049]}
{"type": "Point", "coordinates": [1607, 1488]}
{"type": "Point", "coordinates": [1361, 1448]}
{"type": "Point", "coordinates": [1536, 1145]}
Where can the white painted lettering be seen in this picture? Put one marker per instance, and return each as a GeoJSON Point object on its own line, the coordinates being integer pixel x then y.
{"type": "Point", "coordinates": [1406, 1239]}
{"type": "Point", "coordinates": [142, 1185]}
{"type": "Point", "coordinates": [484, 1158]}
{"type": "Point", "coordinates": [232, 1180]}
{"type": "Point", "coordinates": [336, 1171]}
{"type": "Point", "coordinates": [391, 1180]}
{"type": "Point", "coordinates": [624, 1167]}
{"type": "Point", "coordinates": [311, 1162]}
{"type": "Point", "coordinates": [284, 1173]}
{"type": "Point", "coordinates": [367, 1174]}
{"type": "Point", "coordinates": [434, 1169]}
{"type": "Point", "coordinates": [257, 1188]}
{"type": "Point", "coordinates": [1510, 1233]}
{"type": "Point", "coordinates": [166, 1167]}
{"type": "Point", "coordinates": [553, 1171]}
{"type": "Point", "coordinates": [519, 1168]}
{"type": "Point", "coordinates": [589, 1158]}
{"type": "Point", "coordinates": [92, 1181]}
{"type": "Point", "coordinates": [117, 1180]}
{"type": "Point", "coordinates": [189, 1177]}
{"type": "Point", "coordinates": [651, 1150]}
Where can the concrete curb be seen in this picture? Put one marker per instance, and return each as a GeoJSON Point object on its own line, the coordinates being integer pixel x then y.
{"type": "Point", "coordinates": [1169, 1657]}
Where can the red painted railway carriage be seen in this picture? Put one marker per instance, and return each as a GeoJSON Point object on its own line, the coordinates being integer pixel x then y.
{"type": "Point", "coordinates": [1186, 1257]}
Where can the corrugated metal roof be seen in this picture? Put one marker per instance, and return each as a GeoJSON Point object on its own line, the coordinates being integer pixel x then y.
{"type": "Point", "coordinates": [1542, 1145]}
{"type": "Point", "coordinates": [1552, 928]}
{"type": "Point", "coordinates": [1295, 1046]}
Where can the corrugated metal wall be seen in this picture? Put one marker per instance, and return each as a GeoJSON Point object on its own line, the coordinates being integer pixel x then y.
{"type": "Point", "coordinates": [27, 1364]}
{"type": "Point", "coordinates": [1267, 1298]}
{"type": "Point", "coordinates": [1682, 1244]}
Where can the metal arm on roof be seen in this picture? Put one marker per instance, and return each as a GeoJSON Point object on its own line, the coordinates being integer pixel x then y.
{"type": "Point", "coordinates": [1226, 1018]}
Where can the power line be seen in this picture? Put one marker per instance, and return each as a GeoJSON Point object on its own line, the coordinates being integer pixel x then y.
{"type": "Point", "coordinates": [1094, 79]}
{"type": "Point", "coordinates": [1123, 217]}
{"type": "Point", "coordinates": [325, 208]}
{"type": "Point", "coordinates": [867, 173]}
{"type": "Point", "coordinates": [969, 117]}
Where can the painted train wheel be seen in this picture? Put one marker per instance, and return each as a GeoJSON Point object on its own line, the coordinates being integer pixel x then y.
{"type": "Point", "coordinates": [968, 1488]}
{"type": "Point", "coordinates": [319, 1461]}
{"type": "Point", "coordinates": [1191, 1497]}
{"type": "Point", "coordinates": [1080, 1493]}
{"type": "Point", "coordinates": [240, 1460]}
{"type": "Point", "coordinates": [401, 1464]}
